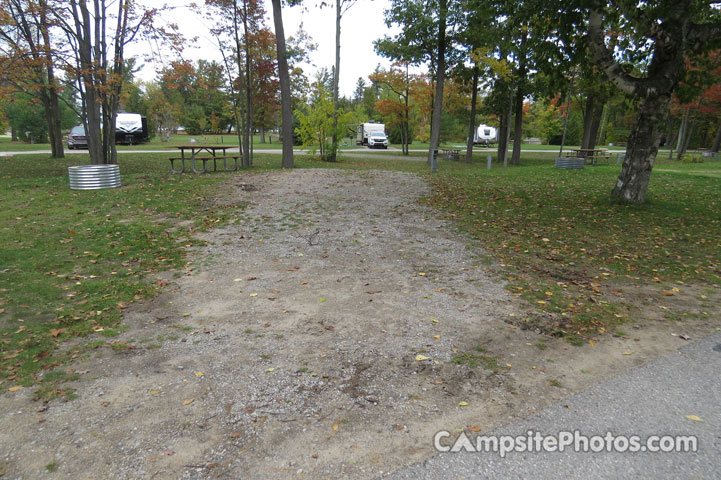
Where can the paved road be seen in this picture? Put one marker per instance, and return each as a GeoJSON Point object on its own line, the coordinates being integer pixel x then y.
{"type": "Point", "coordinates": [651, 400]}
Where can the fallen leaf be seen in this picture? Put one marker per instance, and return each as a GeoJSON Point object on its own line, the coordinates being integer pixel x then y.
{"type": "Point", "coordinates": [56, 331]}
{"type": "Point", "coordinates": [462, 404]}
{"type": "Point", "coordinates": [154, 392]}
{"type": "Point", "coordinates": [421, 274]}
{"type": "Point", "coordinates": [627, 353]}
{"type": "Point", "coordinates": [694, 418]}
{"type": "Point", "coordinates": [250, 279]}
{"type": "Point", "coordinates": [254, 294]}
{"type": "Point", "coordinates": [304, 283]}
{"type": "Point", "coordinates": [322, 300]}
{"type": "Point", "coordinates": [667, 293]}
{"type": "Point", "coordinates": [685, 337]}
{"type": "Point", "coordinates": [421, 358]}
{"type": "Point", "coordinates": [436, 337]}
{"type": "Point", "coordinates": [238, 280]}
{"type": "Point", "coordinates": [188, 402]}
{"type": "Point", "coordinates": [433, 320]}
{"type": "Point", "coordinates": [334, 427]}
{"type": "Point", "coordinates": [15, 388]}
{"type": "Point", "coordinates": [235, 435]}
{"type": "Point", "coordinates": [474, 428]}
{"type": "Point", "coordinates": [271, 369]}
{"type": "Point", "coordinates": [199, 374]}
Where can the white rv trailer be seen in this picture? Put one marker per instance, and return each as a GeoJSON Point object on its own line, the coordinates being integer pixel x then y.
{"type": "Point", "coordinates": [363, 131]}
{"type": "Point", "coordinates": [485, 135]}
{"type": "Point", "coordinates": [130, 128]}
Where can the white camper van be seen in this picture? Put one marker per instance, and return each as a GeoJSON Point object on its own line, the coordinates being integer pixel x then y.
{"type": "Point", "coordinates": [485, 135]}
{"type": "Point", "coordinates": [364, 130]}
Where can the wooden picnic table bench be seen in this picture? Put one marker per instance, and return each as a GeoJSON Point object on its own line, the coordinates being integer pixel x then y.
{"type": "Point", "coordinates": [190, 152]}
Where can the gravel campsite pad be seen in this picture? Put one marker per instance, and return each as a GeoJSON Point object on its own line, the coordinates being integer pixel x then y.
{"type": "Point", "coordinates": [329, 333]}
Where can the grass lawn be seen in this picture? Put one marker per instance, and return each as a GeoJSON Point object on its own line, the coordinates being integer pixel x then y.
{"type": "Point", "coordinates": [71, 261]}
{"type": "Point", "coordinates": [566, 248]}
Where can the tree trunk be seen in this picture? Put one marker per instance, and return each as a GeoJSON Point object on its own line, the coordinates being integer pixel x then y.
{"type": "Point", "coordinates": [587, 120]}
{"type": "Point", "coordinates": [520, 91]}
{"type": "Point", "coordinates": [632, 183]}
{"type": "Point", "coordinates": [248, 132]}
{"type": "Point", "coordinates": [472, 121]}
{"type": "Point", "coordinates": [689, 129]}
{"type": "Point", "coordinates": [440, 74]}
{"type": "Point", "coordinates": [504, 131]}
{"type": "Point", "coordinates": [284, 77]}
{"type": "Point", "coordinates": [405, 129]}
{"type": "Point", "coordinates": [54, 121]}
{"type": "Point", "coordinates": [601, 137]}
{"type": "Point", "coordinates": [682, 133]}
{"type": "Point", "coordinates": [595, 124]}
{"type": "Point", "coordinates": [517, 127]}
{"type": "Point", "coordinates": [336, 79]}
{"type": "Point", "coordinates": [717, 140]}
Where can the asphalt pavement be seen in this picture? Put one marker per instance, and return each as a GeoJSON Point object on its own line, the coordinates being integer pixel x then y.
{"type": "Point", "coordinates": [677, 394]}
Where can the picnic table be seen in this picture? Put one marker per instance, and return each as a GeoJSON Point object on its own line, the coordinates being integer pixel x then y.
{"type": "Point", "coordinates": [191, 153]}
{"type": "Point", "coordinates": [451, 153]}
{"type": "Point", "coordinates": [591, 155]}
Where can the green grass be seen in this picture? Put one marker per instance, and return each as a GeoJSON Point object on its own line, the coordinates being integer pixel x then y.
{"type": "Point", "coordinates": [475, 359]}
{"type": "Point", "coordinates": [72, 260]}
{"type": "Point", "coordinates": [564, 244]}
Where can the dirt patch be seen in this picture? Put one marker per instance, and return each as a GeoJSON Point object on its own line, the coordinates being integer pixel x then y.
{"type": "Point", "coordinates": [329, 333]}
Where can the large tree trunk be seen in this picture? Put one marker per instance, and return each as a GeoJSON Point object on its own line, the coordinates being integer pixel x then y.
{"type": "Point", "coordinates": [440, 79]}
{"type": "Point", "coordinates": [472, 121]}
{"type": "Point", "coordinates": [53, 106]}
{"type": "Point", "coordinates": [595, 125]}
{"type": "Point", "coordinates": [587, 119]}
{"type": "Point", "coordinates": [642, 148]}
{"type": "Point", "coordinates": [284, 77]}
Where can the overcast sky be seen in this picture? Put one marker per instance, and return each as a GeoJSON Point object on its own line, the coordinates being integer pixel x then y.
{"type": "Point", "coordinates": [361, 25]}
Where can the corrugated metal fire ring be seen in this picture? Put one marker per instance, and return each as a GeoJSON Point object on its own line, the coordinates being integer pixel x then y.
{"type": "Point", "coordinates": [570, 162]}
{"type": "Point", "coordinates": [93, 177]}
